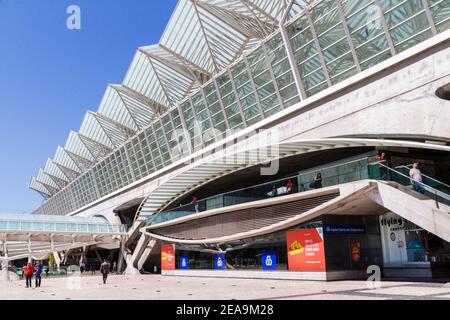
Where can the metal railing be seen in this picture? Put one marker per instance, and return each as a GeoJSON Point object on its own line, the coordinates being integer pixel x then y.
{"type": "Point", "coordinates": [280, 187]}
{"type": "Point", "coordinates": [430, 181]}
{"type": "Point", "coordinates": [355, 170]}
{"type": "Point", "coordinates": [64, 227]}
{"type": "Point", "coordinates": [420, 187]}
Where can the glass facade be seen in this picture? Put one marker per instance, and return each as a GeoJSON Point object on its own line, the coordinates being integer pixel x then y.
{"type": "Point", "coordinates": [350, 243]}
{"type": "Point", "coordinates": [331, 41]}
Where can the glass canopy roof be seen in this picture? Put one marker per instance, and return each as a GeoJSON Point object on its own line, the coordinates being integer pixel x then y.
{"type": "Point", "coordinates": [201, 39]}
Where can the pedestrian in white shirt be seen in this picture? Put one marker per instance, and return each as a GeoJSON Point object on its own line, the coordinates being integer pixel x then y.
{"type": "Point", "coordinates": [416, 178]}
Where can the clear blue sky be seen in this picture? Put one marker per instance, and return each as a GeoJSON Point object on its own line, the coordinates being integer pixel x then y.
{"type": "Point", "coordinates": [49, 76]}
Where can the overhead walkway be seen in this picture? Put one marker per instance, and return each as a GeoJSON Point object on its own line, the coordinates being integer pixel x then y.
{"type": "Point", "coordinates": [37, 236]}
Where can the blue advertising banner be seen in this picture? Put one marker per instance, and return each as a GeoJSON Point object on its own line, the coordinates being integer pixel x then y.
{"type": "Point", "coordinates": [184, 263]}
{"type": "Point", "coordinates": [344, 229]}
{"type": "Point", "coordinates": [269, 261]}
{"type": "Point", "coordinates": [219, 261]}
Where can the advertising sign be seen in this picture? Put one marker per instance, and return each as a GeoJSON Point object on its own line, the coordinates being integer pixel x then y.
{"type": "Point", "coordinates": [184, 263]}
{"type": "Point", "coordinates": [219, 261]}
{"type": "Point", "coordinates": [168, 257]}
{"type": "Point", "coordinates": [356, 252]}
{"type": "Point", "coordinates": [344, 229]}
{"type": "Point", "coordinates": [269, 261]}
{"type": "Point", "coordinates": [306, 250]}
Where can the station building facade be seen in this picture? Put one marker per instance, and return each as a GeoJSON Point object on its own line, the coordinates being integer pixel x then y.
{"type": "Point", "coordinates": [349, 93]}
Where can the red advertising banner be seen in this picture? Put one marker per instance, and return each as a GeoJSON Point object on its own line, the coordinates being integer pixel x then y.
{"type": "Point", "coordinates": [356, 252]}
{"type": "Point", "coordinates": [168, 257]}
{"type": "Point", "coordinates": [306, 250]}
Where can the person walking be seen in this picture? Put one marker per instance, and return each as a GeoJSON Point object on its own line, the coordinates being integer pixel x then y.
{"type": "Point", "coordinates": [28, 271]}
{"type": "Point", "coordinates": [92, 267]}
{"type": "Point", "coordinates": [416, 178]}
{"type": "Point", "coordinates": [38, 274]}
{"type": "Point", "coordinates": [105, 268]}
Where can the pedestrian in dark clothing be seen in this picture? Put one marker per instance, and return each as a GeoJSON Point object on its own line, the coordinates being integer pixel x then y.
{"type": "Point", "coordinates": [105, 268]}
{"type": "Point", "coordinates": [38, 275]}
{"type": "Point", "coordinates": [317, 183]}
{"type": "Point", "coordinates": [274, 192]}
{"type": "Point", "coordinates": [92, 267]}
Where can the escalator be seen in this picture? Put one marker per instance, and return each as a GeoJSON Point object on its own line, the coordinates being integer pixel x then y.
{"type": "Point", "coordinates": [432, 188]}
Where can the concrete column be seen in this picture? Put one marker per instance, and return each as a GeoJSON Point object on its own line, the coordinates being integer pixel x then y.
{"type": "Point", "coordinates": [130, 270]}
{"type": "Point", "coordinates": [122, 255]}
{"type": "Point", "coordinates": [5, 271]}
{"type": "Point", "coordinates": [57, 259]}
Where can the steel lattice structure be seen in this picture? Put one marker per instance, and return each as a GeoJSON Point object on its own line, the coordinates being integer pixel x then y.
{"type": "Point", "coordinates": [223, 65]}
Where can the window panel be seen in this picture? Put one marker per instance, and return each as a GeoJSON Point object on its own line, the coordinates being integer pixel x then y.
{"type": "Point", "coordinates": [281, 68]}
{"type": "Point", "coordinates": [372, 48]}
{"type": "Point", "coordinates": [288, 93]}
{"type": "Point", "coordinates": [248, 101]}
{"type": "Point", "coordinates": [285, 80]}
{"type": "Point", "coordinates": [322, 8]}
{"type": "Point", "coordinates": [440, 12]}
{"type": "Point", "coordinates": [314, 79]}
{"type": "Point", "coordinates": [266, 91]}
{"type": "Point", "coordinates": [269, 102]}
{"type": "Point", "coordinates": [241, 79]}
{"type": "Point", "coordinates": [336, 50]}
{"type": "Point", "coordinates": [408, 29]}
{"type": "Point", "coordinates": [352, 6]}
{"type": "Point", "coordinates": [370, 31]}
{"type": "Point", "coordinates": [263, 79]}
{"type": "Point", "coordinates": [331, 36]}
{"type": "Point", "coordinates": [339, 65]}
{"type": "Point", "coordinates": [306, 52]}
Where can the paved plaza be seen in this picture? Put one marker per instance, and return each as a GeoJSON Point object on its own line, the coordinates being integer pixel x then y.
{"type": "Point", "coordinates": [156, 287]}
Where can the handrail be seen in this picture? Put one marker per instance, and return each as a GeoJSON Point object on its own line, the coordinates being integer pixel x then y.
{"type": "Point", "coordinates": [426, 176]}
{"type": "Point", "coordinates": [364, 173]}
{"type": "Point", "coordinates": [408, 177]}
{"type": "Point", "coordinates": [334, 166]}
{"type": "Point", "coordinates": [423, 185]}
{"type": "Point", "coordinates": [265, 184]}
{"type": "Point", "coordinates": [46, 226]}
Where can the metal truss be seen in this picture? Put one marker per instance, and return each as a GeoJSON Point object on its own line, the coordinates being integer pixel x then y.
{"type": "Point", "coordinates": [201, 39]}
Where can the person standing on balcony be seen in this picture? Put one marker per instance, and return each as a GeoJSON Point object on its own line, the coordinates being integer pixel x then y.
{"type": "Point", "coordinates": [317, 182]}
{"type": "Point", "coordinates": [274, 192]}
{"type": "Point", "coordinates": [382, 160]}
{"type": "Point", "coordinates": [194, 202]}
{"type": "Point", "coordinates": [289, 187]}
{"type": "Point", "coordinates": [416, 178]}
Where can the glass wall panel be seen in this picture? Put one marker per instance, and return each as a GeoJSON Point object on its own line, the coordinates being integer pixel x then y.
{"type": "Point", "coordinates": [440, 12]}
